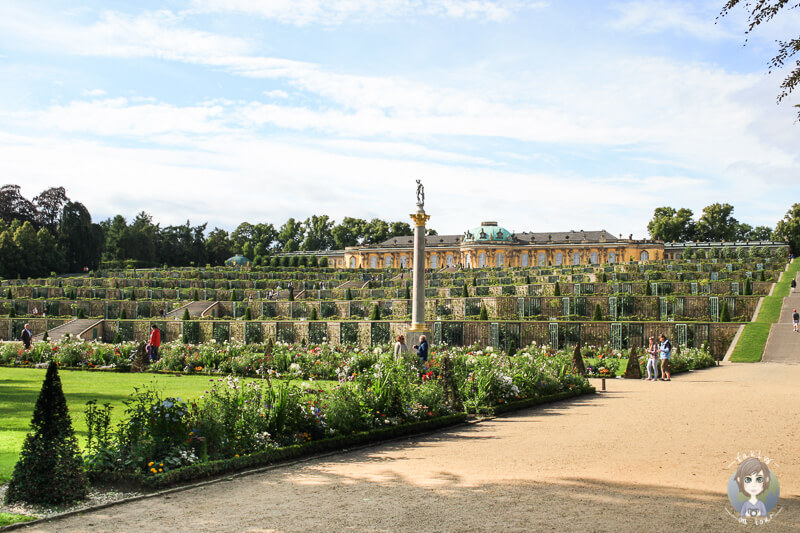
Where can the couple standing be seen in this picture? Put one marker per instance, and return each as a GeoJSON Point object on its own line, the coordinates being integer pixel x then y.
{"type": "Point", "coordinates": [663, 351]}
{"type": "Point", "coordinates": [400, 348]}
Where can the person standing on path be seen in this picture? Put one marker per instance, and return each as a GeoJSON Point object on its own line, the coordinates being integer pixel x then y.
{"type": "Point", "coordinates": [652, 361]}
{"type": "Point", "coordinates": [795, 320]}
{"type": "Point", "coordinates": [155, 342]}
{"type": "Point", "coordinates": [400, 348]}
{"type": "Point", "coordinates": [666, 352]}
{"type": "Point", "coordinates": [422, 351]}
{"type": "Point", "coordinates": [26, 336]}
{"type": "Point", "coordinates": [793, 284]}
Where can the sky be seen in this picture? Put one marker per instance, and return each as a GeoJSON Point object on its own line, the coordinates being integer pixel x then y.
{"type": "Point", "coordinates": [542, 115]}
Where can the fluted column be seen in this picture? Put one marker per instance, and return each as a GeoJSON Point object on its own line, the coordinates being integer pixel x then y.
{"type": "Point", "coordinates": [418, 288]}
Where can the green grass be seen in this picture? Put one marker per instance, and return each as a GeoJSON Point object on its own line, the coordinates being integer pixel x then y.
{"type": "Point", "coordinates": [7, 519]}
{"type": "Point", "coordinates": [750, 348]}
{"type": "Point", "coordinates": [19, 389]}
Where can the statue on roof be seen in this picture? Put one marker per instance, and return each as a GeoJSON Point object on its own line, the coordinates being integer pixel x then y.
{"type": "Point", "coordinates": [420, 194]}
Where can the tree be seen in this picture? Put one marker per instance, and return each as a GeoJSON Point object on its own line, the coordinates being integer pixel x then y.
{"type": "Point", "coordinates": [14, 206]}
{"type": "Point", "coordinates": [349, 232]}
{"type": "Point", "coordinates": [50, 468]}
{"type": "Point", "coordinates": [81, 240]}
{"type": "Point", "coordinates": [484, 314]}
{"type": "Point", "coordinates": [788, 228]}
{"type": "Point", "coordinates": [318, 232]}
{"type": "Point", "coordinates": [290, 235]}
{"type": "Point", "coordinates": [717, 223]}
{"type": "Point", "coordinates": [598, 313]}
{"type": "Point", "coordinates": [49, 206]}
{"type": "Point", "coordinates": [376, 231]}
{"type": "Point", "coordinates": [761, 12]}
{"type": "Point", "coordinates": [219, 246]}
{"type": "Point", "coordinates": [402, 229]}
{"type": "Point", "coordinates": [670, 225]}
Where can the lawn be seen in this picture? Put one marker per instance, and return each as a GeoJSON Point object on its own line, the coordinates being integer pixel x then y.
{"type": "Point", "coordinates": [750, 347]}
{"type": "Point", "coordinates": [19, 388]}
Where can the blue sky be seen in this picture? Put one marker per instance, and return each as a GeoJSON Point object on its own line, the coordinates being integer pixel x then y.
{"type": "Point", "coordinates": [543, 115]}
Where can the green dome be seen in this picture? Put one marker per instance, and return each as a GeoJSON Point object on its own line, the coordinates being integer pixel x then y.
{"type": "Point", "coordinates": [488, 231]}
{"type": "Point", "coordinates": [238, 261]}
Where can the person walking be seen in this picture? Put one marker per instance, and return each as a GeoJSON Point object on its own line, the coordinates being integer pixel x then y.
{"type": "Point", "coordinates": [422, 350]}
{"type": "Point", "coordinates": [400, 348]}
{"type": "Point", "coordinates": [652, 361]}
{"type": "Point", "coordinates": [666, 352]}
{"type": "Point", "coordinates": [154, 342]}
{"type": "Point", "coordinates": [26, 336]}
{"type": "Point", "coordinates": [795, 319]}
{"type": "Point", "coordinates": [793, 284]}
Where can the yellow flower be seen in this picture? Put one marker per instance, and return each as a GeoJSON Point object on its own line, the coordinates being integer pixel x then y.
{"type": "Point", "coordinates": [237, 455]}
{"type": "Point", "coordinates": [160, 470]}
{"type": "Point", "coordinates": [153, 470]}
{"type": "Point", "coordinates": [151, 463]}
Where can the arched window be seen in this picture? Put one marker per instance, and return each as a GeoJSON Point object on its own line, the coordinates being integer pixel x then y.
{"type": "Point", "coordinates": [352, 262]}
{"type": "Point", "coordinates": [576, 258]}
{"type": "Point", "coordinates": [450, 261]}
{"type": "Point", "coordinates": [523, 259]}
{"type": "Point", "coordinates": [542, 259]}
{"type": "Point", "coordinates": [373, 261]}
{"type": "Point", "coordinates": [645, 256]}
{"type": "Point", "coordinates": [434, 261]}
{"type": "Point", "coordinates": [559, 258]}
{"type": "Point", "coordinates": [481, 260]}
{"type": "Point", "coordinates": [593, 258]}
{"type": "Point", "coordinates": [612, 257]}
{"type": "Point", "coordinates": [501, 258]}
{"type": "Point", "coordinates": [387, 261]}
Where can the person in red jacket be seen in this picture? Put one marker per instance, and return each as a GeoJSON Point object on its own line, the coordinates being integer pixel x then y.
{"type": "Point", "coordinates": [155, 342]}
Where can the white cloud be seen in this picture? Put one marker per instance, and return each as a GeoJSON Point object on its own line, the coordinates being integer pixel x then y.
{"type": "Point", "coordinates": [335, 12]}
{"type": "Point", "coordinates": [93, 92]}
{"type": "Point", "coordinates": [657, 16]}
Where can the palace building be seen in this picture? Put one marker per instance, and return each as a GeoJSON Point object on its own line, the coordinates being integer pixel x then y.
{"type": "Point", "coordinates": [491, 245]}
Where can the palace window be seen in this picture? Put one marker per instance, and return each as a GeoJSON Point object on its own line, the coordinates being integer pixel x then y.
{"type": "Point", "coordinates": [387, 262]}
{"type": "Point", "coordinates": [576, 258]}
{"type": "Point", "coordinates": [612, 257]}
{"type": "Point", "coordinates": [501, 258]}
{"type": "Point", "coordinates": [593, 258]}
{"type": "Point", "coordinates": [481, 260]}
{"type": "Point", "coordinates": [559, 258]}
{"type": "Point", "coordinates": [644, 257]}
{"type": "Point", "coordinates": [542, 259]}
{"type": "Point", "coordinates": [434, 261]}
{"type": "Point", "coordinates": [373, 261]}
{"type": "Point", "coordinates": [523, 259]}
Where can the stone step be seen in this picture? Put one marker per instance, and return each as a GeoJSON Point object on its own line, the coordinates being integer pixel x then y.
{"type": "Point", "coordinates": [73, 328]}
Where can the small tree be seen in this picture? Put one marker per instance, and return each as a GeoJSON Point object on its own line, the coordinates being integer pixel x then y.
{"type": "Point", "coordinates": [484, 313]}
{"type": "Point", "coordinates": [474, 282]}
{"type": "Point", "coordinates": [9, 296]}
{"type": "Point", "coordinates": [313, 261]}
{"type": "Point", "coordinates": [648, 291]}
{"type": "Point", "coordinates": [314, 315]}
{"type": "Point", "coordinates": [50, 467]}
{"type": "Point", "coordinates": [186, 315]}
{"type": "Point", "coordinates": [133, 295]}
{"type": "Point", "coordinates": [291, 294]}
{"type": "Point", "coordinates": [557, 290]}
{"type": "Point", "coordinates": [376, 313]}
{"type": "Point", "coordinates": [407, 295]}
{"type": "Point", "coordinates": [11, 312]}
{"type": "Point", "coordinates": [274, 261]}
{"type": "Point", "coordinates": [598, 313]}
{"type": "Point", "coordinates": [725, 314]}
{"type": "Point", "coordinates": [604, 278]}
{"type": "Point", "coordinates": [348, 294]}
{"type": "Point", "coordinates": [81, 313]}
{"type": "Point", "coordinates": [234, 296]}
{"type": "Point", "coordinates": [464, 291]}
{"type": "Point", "coordinates": [123, 315]}
{"type": "Point", "coordinates": [45, 337]}
{"type": "Point", "coordinates": [196, 296]}
{"type": "Point", "coordinates": [323, 262]}
{"type": "Point", "coordinates": [248, 315]}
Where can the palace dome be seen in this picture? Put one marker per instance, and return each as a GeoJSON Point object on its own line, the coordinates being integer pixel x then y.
{"type": "Point", "coordinates": [488, 232]}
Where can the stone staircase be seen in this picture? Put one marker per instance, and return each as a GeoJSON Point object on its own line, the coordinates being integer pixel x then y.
{"type": "Point", "coordinates": [195, 309]}
{"type": "Point", "coordinates": [783, 344]}
{"type": "Point", "coordinates": [74, 328]}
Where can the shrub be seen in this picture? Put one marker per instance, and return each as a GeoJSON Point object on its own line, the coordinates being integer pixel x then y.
{"type": "Point", "coordinates": [407, 295]}
{"type": "Point", "coordinates": [376, 313]}
{"type": "Point", "coordinates": [81, 313]}
{"type": "Point", "coordinates": [274, 261]}
{"type": "Point", "coordinates": [484, 313]}
{"type": "Point", "coordinates": [557, 290]}
{"type": "Point", "coordinates": [291, 294]}
{"type": "Point", "coordinates": [725, 314]}
{"type": "Point", "coordinates": [186, 315]}
{"type": "Point", "coordinates": [314, 315]}
{"type": "Point", "coordinates": [748, 286]}
{"type": "Point", "coordinates": [323, 262]}
{"type": "Point", "coordinates": [12, 313]}
{"type": "Point", "coordinates": [9, 296]}
{"type": "Point", "coordinates": [234, 296]}
{"type": "Point", "coordinates": [248, 315]}
{"type": "Point", "coordinates": [45, 337]}
{"type": "Point", "coordinates": [348, 295]}
{"type": "Point", "coordinates": [123, 315]}
{"type": "Point", "coordinates": [50, 468]}
{"type": "Point", "coordinates": [117, 338]}
{"type": "Point", "coordinates": [464, 291]}
{"type": "Point", "coordinates": [295, 261]}
{"type": "Point", "coordinates": [598, 313]}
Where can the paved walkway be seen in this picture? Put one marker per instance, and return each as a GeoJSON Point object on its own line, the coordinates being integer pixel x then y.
{"type": "Point", "coordinates": [195, 309]}
{"type": "Point", "coordinates": [73, 328]}
{"type": "Point", "coordinates": [783, 345]}
{"type": "Point", "coordinates": [644, 456]}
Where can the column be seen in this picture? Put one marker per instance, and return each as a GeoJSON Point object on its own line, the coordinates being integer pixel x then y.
{"type": "Point", "coordinates": [418, 287]}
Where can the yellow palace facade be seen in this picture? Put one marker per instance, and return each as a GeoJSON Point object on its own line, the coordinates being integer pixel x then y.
{"type": "Point", "coordinates": [490, 245]}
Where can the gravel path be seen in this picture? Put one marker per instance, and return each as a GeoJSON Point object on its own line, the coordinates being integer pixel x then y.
{"type": "Point", "coordinates": [643, 456]}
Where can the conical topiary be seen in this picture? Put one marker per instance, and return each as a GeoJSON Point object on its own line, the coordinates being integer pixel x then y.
{"type": "Point", "coordinates": [725, 314]}
{"type": "Point", "coordinates": [123, 315]}
{"type": "Point", "coordinates": [195, 296]}
{"type": "Point", "coordinates": [376, 313]}
{"type": "Point", "coordinates": [314, 315]}
{"type": "Point", "coordinates": [484, 313]}
{"type": "Point", "coordinates": [50, 467]}
{"type": "Point", "coordinates": [557, 290]}
{"type": "Point", "coordinates": [407, 295]}
{"type": "Point", "coordinates": [248, 315]}
{"type": "Point", "coordinates": [598, 313]}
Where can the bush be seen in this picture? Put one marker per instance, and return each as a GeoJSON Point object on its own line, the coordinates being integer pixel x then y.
{"type": "Point", "coordinates": [725, 315]}
{"type": "Point", "coordinates": [598, 313]}
{"type": "Point", "coordinates": [348, 295]}
{"type": "Point", "coordinates": [195, 296]}
{"type": "Point", "coordinates": [12, 313]}
{"type": "Point", "coordinates": [291, 294]}
{"type": "Point", "coordinates": [484, 313]}
{"type": "Point", "coordinates": [186, 315]}
{"type": "Point", "coordinates": [407, 295]}
{"type": "Point", "coordinates": [117, 338]}
{"type": "Point", "coordinates": [376, 313]}
{"type": "Point", "coordinates": [81, 313]}
{"type": "Point", "coordinates": [295, 261]}
{"type": "Point", "coordinates": [123, 315]}
{"type": "Point", "coordinates": [248, 315]}
{"type": "Point", "coordinates": [557, 290]}
{"type": "Point", "coordinates": [464, 291]}
{"type": "Point", "coordinates": [314, 315]}
{"type": "Point", "coordinates": [323, 262]}
{"type": "Point", "coordinates": [50, 468]}
{"type": "Point", "coordinates": [234, 296]}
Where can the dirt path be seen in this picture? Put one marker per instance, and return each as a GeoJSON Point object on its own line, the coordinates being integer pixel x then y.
{"type": "Point", "coordinates": [641, 457]}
